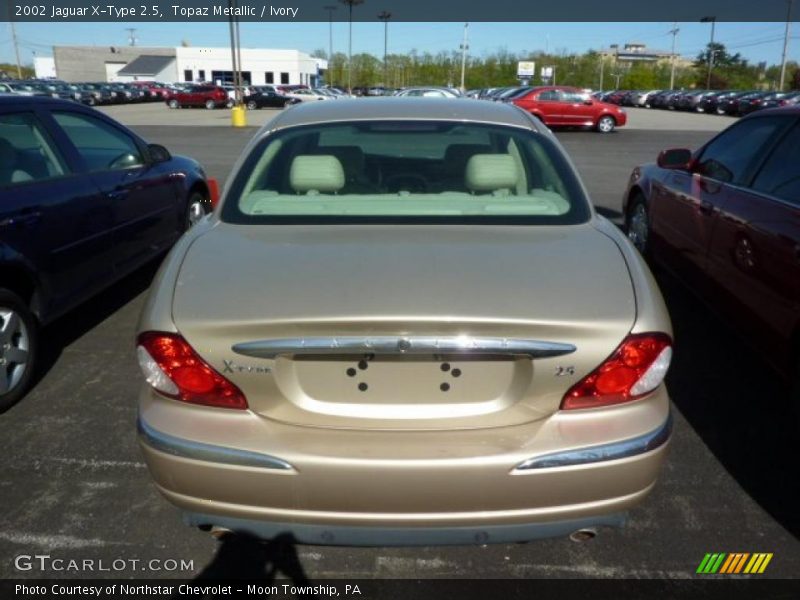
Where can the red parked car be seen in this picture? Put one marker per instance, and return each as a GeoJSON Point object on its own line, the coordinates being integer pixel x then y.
{"type": "Point", "coordinates": [726, 220]}
{"type": "Point", "coordinates": [210, 96]}
{"type": "Point", "coordinates": [570, 107]}
{"type": "Point", "coordinates": [158, 91]}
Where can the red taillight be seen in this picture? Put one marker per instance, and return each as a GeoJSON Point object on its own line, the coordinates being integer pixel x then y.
{"type": "Point", "coordinates": [635, 369]}
{"type": "Point", "coordinates": [213, 191]}
{"type": "Point", "coordinates": [173, 368]}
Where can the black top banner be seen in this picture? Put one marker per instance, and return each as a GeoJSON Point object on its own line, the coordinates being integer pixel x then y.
{"type": "Point", "coordinates": [401, 10]}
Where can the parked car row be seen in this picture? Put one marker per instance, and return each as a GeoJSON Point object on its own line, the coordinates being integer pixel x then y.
{"type": "Point", "coordinates": [520, 388]}
{"type": "Point", "coordinates": [89, 93]}
{"type": "Point", "coordinates": [721, 102]}
{"type": "Point", "coordinates": [253, 97]}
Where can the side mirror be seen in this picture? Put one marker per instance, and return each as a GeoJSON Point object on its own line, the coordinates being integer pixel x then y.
{"type": "Point", "coordinates": [158, 153]}
{"type": "Point", "coordinates": [675, 158]}
{"type": "Point", "coordinates": [588, 102]}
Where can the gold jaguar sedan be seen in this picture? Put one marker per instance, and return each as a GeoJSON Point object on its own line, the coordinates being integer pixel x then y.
{"type": "Point", "coordinates": [404, 324]}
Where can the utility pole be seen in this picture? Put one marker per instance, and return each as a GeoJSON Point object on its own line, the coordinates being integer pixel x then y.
{"type": "Point", "coordinates": [713, 21]}
{"type": "Point", "coordinates": [674, 31]}
{"type": "Point", "coordinates": [385, 16]}
{"type": "Point", "coordinates": [131, 35]}
{"type": "Point", "coordinates": [350, 4]}
{"type": "Point", "coordinates": [239, 90]}
{"type": "Point", "coordinates": [785, 45]}
{"type": "Point", "coordinates": [330, 8]}
{"type": "Point", "coordinates": [16, 49]}
{"type": "Point", "coordinates": [464, 47]}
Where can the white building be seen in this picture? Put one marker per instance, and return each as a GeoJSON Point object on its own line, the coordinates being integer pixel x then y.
{"type": "Point", "coordinates": [45, 67]}
{"type": "Point", "coordinates": [186, 64]}
{"type": "Point", "coordinates": [259, 66]}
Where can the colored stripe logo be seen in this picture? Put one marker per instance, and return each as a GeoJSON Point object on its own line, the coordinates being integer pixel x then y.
{"type": "Point", "coordinates": [737, 563]}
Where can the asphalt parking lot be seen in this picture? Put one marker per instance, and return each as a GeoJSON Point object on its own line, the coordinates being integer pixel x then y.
{"type": "Point", "coordinates": [73, 484]}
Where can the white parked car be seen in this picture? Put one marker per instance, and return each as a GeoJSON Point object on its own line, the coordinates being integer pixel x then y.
{"type": "Point", "coordinates": [305, 95]}
{"type": "Point", "coordinates": [429, 92]}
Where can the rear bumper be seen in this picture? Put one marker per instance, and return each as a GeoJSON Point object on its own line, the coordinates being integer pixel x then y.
{"type": "Point", "coordinates": [404, 536]}
{"type": "Point", "coordinates": [402, 488]}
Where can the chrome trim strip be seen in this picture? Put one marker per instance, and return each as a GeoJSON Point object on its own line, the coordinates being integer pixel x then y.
{"type": "Point", "coordinates": [206, 452]}
{"type": "Point", "coordinates": [386, 344]}
{"type": "Point", "coordinates": [614, 451]}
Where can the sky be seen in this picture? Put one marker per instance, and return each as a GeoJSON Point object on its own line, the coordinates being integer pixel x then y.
{"type": "Point", "coordinates": [755, 41]}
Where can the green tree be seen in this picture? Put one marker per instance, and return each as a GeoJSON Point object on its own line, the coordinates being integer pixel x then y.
{"type": "Point", "coordinates": [10, 71]}
{"type": "Point", "coordinates": [337, 70]}
{"type": "Point", "coordinates": [366, 70]}
{"type": "Point", "coordinates": [640, 77]}
{"type": "Point", "coordinates": [729, 70]}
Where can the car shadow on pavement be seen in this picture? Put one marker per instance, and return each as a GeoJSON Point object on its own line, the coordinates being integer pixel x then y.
{"type": "Point", "coordinates": [242, 556]}
{"type": "Point", "coordinates": [58, 335]}
{"type": "Point", "coordinates": [736, 403]}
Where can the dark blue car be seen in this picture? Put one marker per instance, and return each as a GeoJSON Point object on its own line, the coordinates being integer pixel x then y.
{"type": "Point", "coordinates": [83, 202]}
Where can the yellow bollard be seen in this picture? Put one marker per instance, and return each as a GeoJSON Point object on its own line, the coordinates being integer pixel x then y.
{"type": "Point", "coordinates": [238, 118]}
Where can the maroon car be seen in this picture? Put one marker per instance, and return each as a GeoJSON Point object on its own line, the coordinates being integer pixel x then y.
{"type": "Point", "coordinates": [726, 220]}
{"type": "Point", "coordinates": [157, 91]}
{"type": "Point", "coordinates": [559, 106]}
{"type": "Point", "coordinates": [210, 96]}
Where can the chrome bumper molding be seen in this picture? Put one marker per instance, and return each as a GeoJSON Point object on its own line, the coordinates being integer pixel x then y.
{"type": "Point", "coordinates": [207, 452]}
{"type": "Point", "coordinates": [604, 452]}
{"type": "Point", "coordinates": [402, 345]}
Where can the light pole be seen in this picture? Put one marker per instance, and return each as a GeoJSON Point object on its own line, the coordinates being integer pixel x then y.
{"type": "Point", "coordinates": [330, 8]}
{"type": "Point", "coordinates": [131, 35]}
{"type": "Point", "coordinates": [713, 21]}
{"type": "Point", "coordinates": [785, 45]}
{"type": "Point", "coordinates": [464, 47]}
{"type": "Point", "coordinates": [350, 4]}
{"type": "Point", "coordinates": [674, 31]}
{"type": "Point", "coordinates": [385, 16]}
{"type": "Point", "coordinates": [16, 49]}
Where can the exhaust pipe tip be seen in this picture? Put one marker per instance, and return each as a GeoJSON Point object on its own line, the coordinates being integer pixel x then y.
{"type": "Point", "coordinates": [583, 535]}
{"type": "Point", "coordinates": [219, 532]}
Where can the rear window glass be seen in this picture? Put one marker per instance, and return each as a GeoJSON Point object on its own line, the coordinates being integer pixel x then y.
{"type": "Point", "coordinates": [389, 171]}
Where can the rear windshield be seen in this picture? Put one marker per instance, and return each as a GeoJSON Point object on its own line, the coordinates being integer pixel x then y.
{"type": "Point", "coordinates": [406, 171]}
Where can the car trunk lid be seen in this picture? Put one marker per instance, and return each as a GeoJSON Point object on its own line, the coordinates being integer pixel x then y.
{"type": "Point", "coordinates": [412, 327]}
